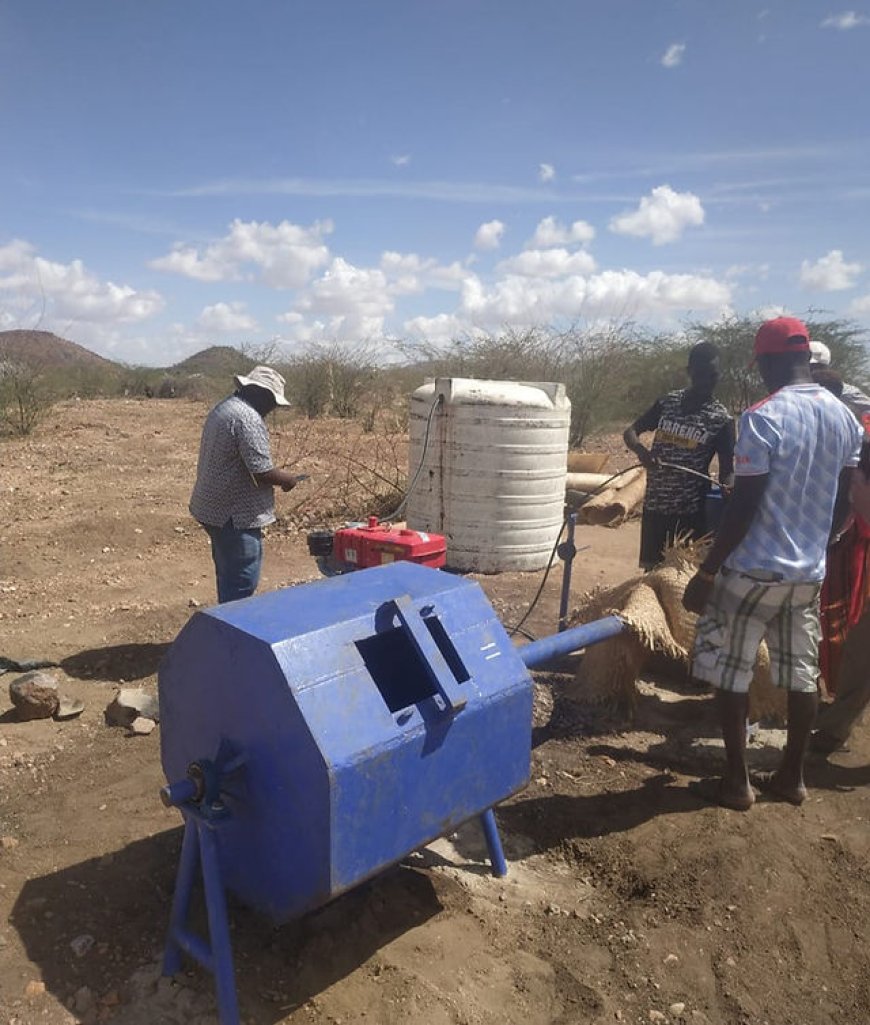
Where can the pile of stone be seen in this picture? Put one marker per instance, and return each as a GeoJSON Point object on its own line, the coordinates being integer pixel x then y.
{"type": "Point", "coordinates": [135, 709]}
{"type": "Point", "coordinates": [36, 695]}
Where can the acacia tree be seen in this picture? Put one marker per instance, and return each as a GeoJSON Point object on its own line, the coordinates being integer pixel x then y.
{"type": "Point", "coordinates": [740, 384]}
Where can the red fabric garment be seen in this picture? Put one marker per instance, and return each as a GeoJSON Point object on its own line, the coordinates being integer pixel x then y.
{"type": "Point", "coordinates": [844, 597]}
{"type": "Point", "coordinates": [860, 576]}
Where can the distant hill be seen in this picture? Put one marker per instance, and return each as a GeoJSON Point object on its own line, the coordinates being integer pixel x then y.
{"type": "Point", "coordinates": [46, 350]}
{"type": "Point", "coordinates": [217, 360]}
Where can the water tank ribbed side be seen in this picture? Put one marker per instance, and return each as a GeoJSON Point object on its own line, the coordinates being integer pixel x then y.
{"type": "Point", "coordinates": [493, 480]}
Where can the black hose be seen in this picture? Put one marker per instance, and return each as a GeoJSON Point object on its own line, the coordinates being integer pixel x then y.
{"type": "Point", "coordinates": [601, 487]}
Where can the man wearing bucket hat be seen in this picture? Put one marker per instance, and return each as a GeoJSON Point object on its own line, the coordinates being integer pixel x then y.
{"type": "Point", "coordinates": [855, 399]}
{"type": "Point", "coordinates": [762, 577]}
{"type": "Point", "coordinates": [233, 495]}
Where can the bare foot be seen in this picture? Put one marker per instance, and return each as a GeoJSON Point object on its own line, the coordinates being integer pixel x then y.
{"type": "Point", "coordinates": [715, 790]}
{"type": "Point", "coordinates": [771, 786]}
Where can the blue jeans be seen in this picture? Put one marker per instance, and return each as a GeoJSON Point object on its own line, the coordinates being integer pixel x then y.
{"type": "Point", "coordinates": [238, 557]}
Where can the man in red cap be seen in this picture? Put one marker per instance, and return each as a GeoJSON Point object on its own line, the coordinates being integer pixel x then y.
{"type": "Point", "coordinates": [762, 577]}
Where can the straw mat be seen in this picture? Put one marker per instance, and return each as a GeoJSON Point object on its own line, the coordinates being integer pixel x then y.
{"type": "Point", "coordinates": [652, 608]}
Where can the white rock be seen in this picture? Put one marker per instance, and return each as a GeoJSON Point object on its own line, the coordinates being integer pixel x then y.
{"type": "Point", "coordinates": [130, 703]}
{"type": "Point", "coordinates": [69, 708]}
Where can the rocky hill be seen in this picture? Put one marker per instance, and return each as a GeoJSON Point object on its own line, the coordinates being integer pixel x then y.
{"type": "Point", "coordinates": [216, 361]}
{"type": "Point", "coordinates": [48, 351]}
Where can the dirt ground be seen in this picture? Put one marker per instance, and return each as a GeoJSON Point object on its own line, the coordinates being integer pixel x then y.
{"type": "Point", "coordinates": [627, 899]}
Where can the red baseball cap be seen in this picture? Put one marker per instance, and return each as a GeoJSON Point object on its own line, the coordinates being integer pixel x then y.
{"type": "Point", "coordinates": [782, 334]}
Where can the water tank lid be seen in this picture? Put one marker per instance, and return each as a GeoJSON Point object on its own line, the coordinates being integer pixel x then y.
{"type": "Point", "coordinates": [480, 392]}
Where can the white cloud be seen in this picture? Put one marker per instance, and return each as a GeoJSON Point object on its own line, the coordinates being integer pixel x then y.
{"type": "Point", "coordinates": [69, 291]}
{"type": "Point", "coordinates": [662, 216]}
{"type": "Point", "coordinates": [285, 255]}
{"type": "Point", "coordinates": [438, 329]}
{"type": "Point", "coordinates": [522, 301]}
{"type": "Point", "coordinates": [845, 21]}
{"type": "Point", "coordinates": [226, 318]}
{"type": "Point", "coordinates": [860, 307]}
{"type": "Point", "coordinates": [548, 263]}
{"type": "Point", "coordinates": [351, 303]}
{"type": "Point", "coordinates": [489, 235]}
{"type": "Point", "coordinates": [546, 172]}
{"type": "Point", "coordinates": [831, 273]}
{"type": "Point", "coordinates": [408, 272]}
{"type": "Point", "coordinates": [673, 56]}
{"type": "Point", "coordinates": [551, 232]}
{"type": "Point", "coordinates": [401, 159]}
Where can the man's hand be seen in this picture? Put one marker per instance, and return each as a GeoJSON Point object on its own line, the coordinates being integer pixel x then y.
{"type": "Point", "coordinates": [290, 483]}
{"type": "Point", "coordinates": [697, 593]}
{"type": "Point", "coordinates": [646, 459]}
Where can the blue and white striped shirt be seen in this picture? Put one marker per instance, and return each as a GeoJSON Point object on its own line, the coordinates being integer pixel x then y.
{"type": "Point", "coordinates": [802, 437]}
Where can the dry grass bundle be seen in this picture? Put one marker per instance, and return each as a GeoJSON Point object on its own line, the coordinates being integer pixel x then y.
{"type": "Point", "coordinates": [614, 505]}
{"type": "Point", "coordinates": [651, 606]}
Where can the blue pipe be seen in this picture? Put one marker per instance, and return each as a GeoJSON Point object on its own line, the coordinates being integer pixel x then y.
{"type": "Point", "coordinates": [564, 643]}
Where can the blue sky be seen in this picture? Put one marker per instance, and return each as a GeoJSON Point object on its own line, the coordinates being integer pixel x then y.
{"type": "Point", "coordinates": [181, 174]}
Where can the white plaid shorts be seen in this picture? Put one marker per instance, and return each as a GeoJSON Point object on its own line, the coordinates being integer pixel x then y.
{"type": "Point", "coordinates": [741, 611]}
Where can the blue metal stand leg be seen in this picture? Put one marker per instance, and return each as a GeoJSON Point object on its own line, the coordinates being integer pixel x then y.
{"type": "Point", "coordinates": [199, 849]}
{"type": "Point", "coordinates": [181, 899]}
{"type": "Point", "coordinates": [219, 928]}
{"type": "Point", "coordinates": [493, 843]}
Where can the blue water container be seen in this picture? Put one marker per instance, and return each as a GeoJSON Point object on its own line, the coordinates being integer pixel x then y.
{"type": "Point", "coordinates": [714, 506]}
{"type": "Point", "coordinates": [363, 716]}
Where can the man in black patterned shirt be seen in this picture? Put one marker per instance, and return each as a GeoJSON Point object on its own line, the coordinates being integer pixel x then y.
{"type": "Point", "coordinates": [690, 428]}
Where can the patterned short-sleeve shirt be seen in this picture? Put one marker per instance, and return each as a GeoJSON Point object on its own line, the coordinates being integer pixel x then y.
{"type": "Point", "coordinates": [234, 446]}
{"type": "Point", "coordinates": [802, 437]}
{"type": "Point", "coordinates": [689, 436]}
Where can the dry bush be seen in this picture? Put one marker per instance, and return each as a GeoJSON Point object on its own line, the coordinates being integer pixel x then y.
{"type": "Point", "coordinates": [332, 379]}
{"type": "Point", "coordinates": [592, 361]}
{"type": "Point", "coordinates": [354, 473]}
{"type": "Point", "coordinates": [25, 397]}
{"type": "Point", "coordinates": [589, 361]}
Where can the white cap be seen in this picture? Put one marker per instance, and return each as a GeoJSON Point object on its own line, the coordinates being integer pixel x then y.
{"type": "Point", "coordinates": [820, 355]}
{"type": "Point", "coordinates": [265, 377]}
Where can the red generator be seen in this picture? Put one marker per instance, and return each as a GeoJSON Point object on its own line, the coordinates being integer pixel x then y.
{"type": "Point", "coordinates": [380, 543]}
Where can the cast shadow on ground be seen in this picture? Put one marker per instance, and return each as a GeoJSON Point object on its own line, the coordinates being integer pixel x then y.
{"type": "Point", "coordinates": [688, 712]}
{"type": "Point", "coordinates": [118, 662]}
{"type": "Point", "coordinates": [122, 901]}
{"type": "Point", "coordinates": [550, 821]}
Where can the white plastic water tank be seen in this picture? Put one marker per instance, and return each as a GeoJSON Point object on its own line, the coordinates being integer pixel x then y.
{"type": "Point", "coordinates": [493, 479]}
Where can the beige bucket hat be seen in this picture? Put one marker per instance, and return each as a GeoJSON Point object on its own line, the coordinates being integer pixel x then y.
{"type": "Point", "coordinates": [265, 377]}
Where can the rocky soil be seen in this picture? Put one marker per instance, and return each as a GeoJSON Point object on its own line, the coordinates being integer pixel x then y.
{"type": "Point", "coordinates": [627, 900]}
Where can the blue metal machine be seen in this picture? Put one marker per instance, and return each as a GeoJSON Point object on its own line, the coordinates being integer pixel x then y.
{"type": "Point", "coordinates": [315, 735]}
